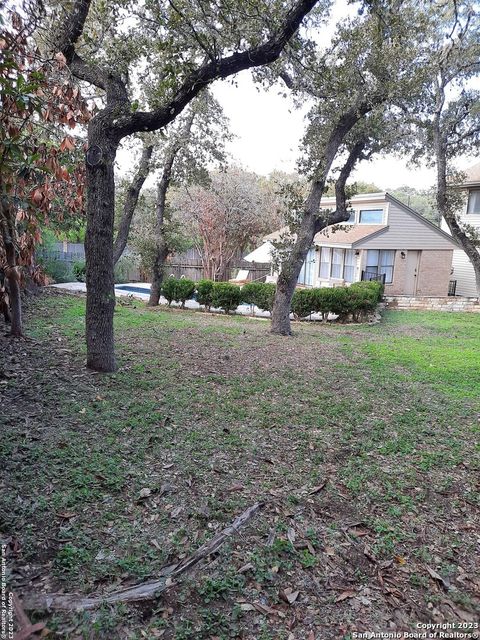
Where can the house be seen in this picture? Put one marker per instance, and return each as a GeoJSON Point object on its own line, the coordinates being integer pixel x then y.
{"type": "Point", "coordinates": [463, 272]}
{"type": "Point", "coordinates": [384, 240]}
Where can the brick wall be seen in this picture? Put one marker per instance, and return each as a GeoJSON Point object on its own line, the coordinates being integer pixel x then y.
{"type": "Point", "coordinates": [434, 273]}
{"type": "Point", "coordinates": [397, 287]}
{"type": "Point", "coordinates": [430, 303]}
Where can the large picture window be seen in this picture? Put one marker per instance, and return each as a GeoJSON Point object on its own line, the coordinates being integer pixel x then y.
{"type": "Point", "coordinates": [381, 262]}
{"type": "Point", "coordinates": [338, 264]}
{"type": "Point", "coordinates": [474, 201]}
{"type": "Point", "coordinates": [371, 216]}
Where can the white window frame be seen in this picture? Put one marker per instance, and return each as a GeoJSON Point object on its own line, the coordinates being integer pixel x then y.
{"type": "Point", "coordinates": [382, 211]}
{"type": "Point", "coordinates": [343, 265]}
{"type": "Point", "coordinates": [378, 268]}
{"type": "Point", "coordinates": [473, 206]}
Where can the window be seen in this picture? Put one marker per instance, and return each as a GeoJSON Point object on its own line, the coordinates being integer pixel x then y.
{"type": "Point", "coordinates": [380, 262]}
{"type": "Point", "coordinates": [473, 201]}
{"type": "Point", "coordinates": [371, 216]}
{"type": "Point", "coordinates": [337, 263]}
{"type": "Point", "coordinates": [349, 267]}
{"type": "Point", "coordinates": [325, 262]}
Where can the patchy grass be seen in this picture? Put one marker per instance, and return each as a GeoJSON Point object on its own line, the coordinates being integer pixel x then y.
{"type": "Point", "coordinates": [361, 441]}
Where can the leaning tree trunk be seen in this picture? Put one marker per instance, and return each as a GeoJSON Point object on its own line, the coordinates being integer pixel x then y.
{"type": "Point", "coordinates": [99, 245]}
{"type": "Point", "coordinates": [287, 280]}
{"type": "Point", "coordinates": [131, 199]}
{"type": "Point", "coordinates": [161, 249]}
{"type": "Point", "coordinates": [311, 222]}
{"type": "Point", "coordinates": [11, 272]}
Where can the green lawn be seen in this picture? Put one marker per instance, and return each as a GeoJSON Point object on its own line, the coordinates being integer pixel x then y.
{"type": "Point", "coordinates": [212, 414]}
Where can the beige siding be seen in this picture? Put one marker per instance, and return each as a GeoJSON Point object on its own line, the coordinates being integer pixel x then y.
{"type": "Point", "coordinates": [463, 271]}
{"type": "Point", "coordinates": [407, 231]}
{"type": "Point", "coordinates": [464, 274]}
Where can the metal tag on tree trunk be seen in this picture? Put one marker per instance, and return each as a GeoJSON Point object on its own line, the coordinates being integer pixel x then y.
{"type": "Point", "coordinates": [94, 155]}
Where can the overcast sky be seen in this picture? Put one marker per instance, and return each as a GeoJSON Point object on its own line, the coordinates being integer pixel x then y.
{"type": "Point", "coordinates": [269, 129]}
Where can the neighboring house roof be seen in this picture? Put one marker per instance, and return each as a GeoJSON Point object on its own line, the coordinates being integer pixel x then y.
{"type": "Point", "coordinates": [263, 253]}
{"type": "Point", "coordinates": [347, 235]}
{"type": "Point", "coordinates": [472, 175]}
{"type": "Point", "coordinates": [275, 235]}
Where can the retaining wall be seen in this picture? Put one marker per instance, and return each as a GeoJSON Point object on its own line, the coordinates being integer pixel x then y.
{"type": "Point", "coordinates": [428, 303]}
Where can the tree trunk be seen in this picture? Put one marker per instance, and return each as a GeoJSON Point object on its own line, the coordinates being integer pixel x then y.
{"type": "Point", "coordinates": [7, 221]}
{"type": "Point", "coordinates": [162, 248]}
{"type": "Point", "coordinates": [287, 280]}
{"type": "Point", "coordinates": [131, 199]}
{"type": "Point", "coordinates": [99, 245]}
{"type": "Point", "coordinates": [161, 252]}
{"type": "Point", "coordinates": [312, 222]}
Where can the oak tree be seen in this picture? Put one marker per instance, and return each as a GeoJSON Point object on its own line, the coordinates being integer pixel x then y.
{"type": "Point", "coordinates": [175, 49]}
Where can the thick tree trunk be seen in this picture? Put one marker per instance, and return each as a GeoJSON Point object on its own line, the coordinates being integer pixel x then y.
{"type": "Point", "coordinates": [287, 280]}
{"type": "Point", "coordinates": [7, 222]}
{"type": "Point", "coordinates": [131, 199]}
{"type": "Point", "coordinates": [99, 245]}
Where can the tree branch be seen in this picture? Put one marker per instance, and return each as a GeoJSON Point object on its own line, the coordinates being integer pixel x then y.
{"type": "Point", "coordinates": [356, 153]}
{"type": "Point", "coordinates": [260, 55]}
{"type": "Point", "coordinates": [68, 36]}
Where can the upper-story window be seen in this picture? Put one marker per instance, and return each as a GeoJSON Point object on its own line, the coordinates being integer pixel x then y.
{"type": "Point", "coordinates": [371, 216]}
{"type": "Point", "coordinates": [473, 201]}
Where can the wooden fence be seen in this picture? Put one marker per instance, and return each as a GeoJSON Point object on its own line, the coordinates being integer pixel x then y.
{"type": "Point", "coordinates": [193, 269]}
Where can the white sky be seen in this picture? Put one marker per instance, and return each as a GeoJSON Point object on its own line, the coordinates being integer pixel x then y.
{"type": "Point", "coordinates": [269, 131]}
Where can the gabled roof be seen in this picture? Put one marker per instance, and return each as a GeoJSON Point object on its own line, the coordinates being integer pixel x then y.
{"type": "Point", "coordinates": [342, 235]}
{"type": "Point", "coordinates": [421, 219]}
{"type": "Point", "coordinates": [347, 234]}
{"type": "Point", "coordinates": [472, 175]}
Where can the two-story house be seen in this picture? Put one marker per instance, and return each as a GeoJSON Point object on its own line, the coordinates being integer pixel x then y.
{"type": "Point", "coordinates": [463, 272]}
{"type": "Point", "coordinates": [385, 240]}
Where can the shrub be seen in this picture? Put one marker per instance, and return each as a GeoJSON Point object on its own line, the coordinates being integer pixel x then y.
{"type": "Point", "coordinates": [250, 292]}
{"type": "Point", "coordinates": [303, 302]}
{"type": "Point", "coordinates": [184, 290]}
{"type": "Point", "coordinates": [178, 289]}
{"type": "Point", "coordinates": [340, 302]}
{"type": "Point", "coordinates": [376, 288]}
{"type": "Point", "coordinates": [169, 289]}
{"type": "Point", "coordinates": [260, 294]}
{"type": "Point", "coordinates": [57, 270]}
{"type": "Point", "coordinates": [226, 296]}
{"type": "Point", "coordinates": [266, 296]}
{"type": "Point", "coordinates": [79, 270]}
{"type": "Point", "coordinates": [362, 300]}
{"type": "Point", "coordinates": [204, 292]}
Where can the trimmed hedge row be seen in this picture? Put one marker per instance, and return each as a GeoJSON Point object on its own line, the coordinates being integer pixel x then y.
{"type": "Point", "coordinates": [221, 295]}
{"type": "Point", "coordinates": [355, 301]}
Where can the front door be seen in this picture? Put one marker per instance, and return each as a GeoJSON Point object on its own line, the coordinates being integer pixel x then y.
{"type": "Point", "coordinates": [413, 262]}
